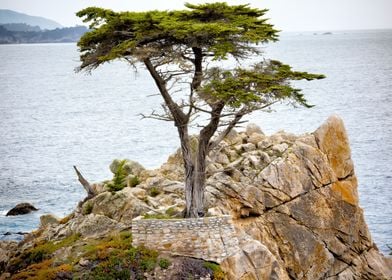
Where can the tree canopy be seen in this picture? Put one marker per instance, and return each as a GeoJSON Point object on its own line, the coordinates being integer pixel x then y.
{"type": "Point", "coordinates": [184, 52]}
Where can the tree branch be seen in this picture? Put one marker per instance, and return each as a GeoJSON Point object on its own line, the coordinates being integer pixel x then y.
{"type": "Point", "coordinates": [198, 75]}
{"type": "Point", "coordinates": [230, 126]}
{"type": "Point", "coordinates": [178, 115]}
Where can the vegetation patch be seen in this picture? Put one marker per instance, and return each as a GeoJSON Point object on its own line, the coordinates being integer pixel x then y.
{"type": "Point", "coordinates": [40, 253]}
{"type": "Point", "coordinates": [119, 179]}
{"type": "Point", "coordinates": [87, 208]}
{"type": "Point", "coordinates": [164, 263]}
{"type": "Point", "coordinates": [158, 216]}
{"type": "Point", "coordinates": [154, 191]}
{"type": "Point", "coordinates": [133, 181]}
{"type": "Point", "coordinates": [113, 257]}
{"type": "Point", "coordinates": [116, 258]}
{"type": "Point", "coordinates": [217, 272]}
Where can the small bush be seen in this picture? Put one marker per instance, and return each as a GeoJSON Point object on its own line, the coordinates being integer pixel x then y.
{"type": "Point", "coordinates": [217, 272]}
{"type": "Point", "coordinates": [154, 191]}
{"type": "Point", "coordinates": [133, 181]}
{"type": "Point", "coordinates": [164, 263]}
{"type": "Point", "coordinates": [190, 268]}
{"type": "Point", "coordinates": [87, 208]}
{"type": "Point", "coordinates": [119, 178]}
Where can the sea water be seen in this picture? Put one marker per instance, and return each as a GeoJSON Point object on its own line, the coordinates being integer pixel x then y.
{"type": "Point", "coordinates": [52, 118]}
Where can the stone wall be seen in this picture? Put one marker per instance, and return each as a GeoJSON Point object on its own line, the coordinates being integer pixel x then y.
{"type": "Point", "coordinates": [210, 238]}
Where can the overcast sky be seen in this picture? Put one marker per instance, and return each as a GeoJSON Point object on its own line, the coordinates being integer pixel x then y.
{"type": "Point", "coordinates": [286, 15]}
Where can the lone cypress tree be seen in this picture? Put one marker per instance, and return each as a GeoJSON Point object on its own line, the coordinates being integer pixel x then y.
{"type": "Point", "coordinates": [183, 50]}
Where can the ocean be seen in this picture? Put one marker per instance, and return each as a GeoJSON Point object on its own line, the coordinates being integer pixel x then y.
{"type": "Point", "coordinates": [52, 118]}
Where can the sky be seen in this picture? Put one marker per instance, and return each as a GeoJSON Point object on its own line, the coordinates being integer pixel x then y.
{"type": "Point", "coordinates": [286, 15]}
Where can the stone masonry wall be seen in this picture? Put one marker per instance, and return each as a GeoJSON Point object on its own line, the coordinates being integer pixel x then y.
{"type": "Point", "coordinates": [210, 238]}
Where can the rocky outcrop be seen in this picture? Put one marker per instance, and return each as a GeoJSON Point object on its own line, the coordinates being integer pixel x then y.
{"type": "Point", "coordinates": [298, 197]}
{"type": "Point", "coordinates": [293, 202]}
{"type": "Point", "coordinates": [7, 248]}
{"type": "Point", "coordinates": [48, 219]}
{"type": "Point", "coordinates": [21, 209]}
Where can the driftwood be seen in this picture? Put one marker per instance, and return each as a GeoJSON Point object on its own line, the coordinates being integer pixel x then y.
{"type": "Point", "coordinates": [86, 185]}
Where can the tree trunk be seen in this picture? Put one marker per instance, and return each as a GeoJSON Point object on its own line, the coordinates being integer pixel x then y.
{"type": "Point", "coordinates": [198, 178]}
{"type": "Point", "coordinates": [189, 167]}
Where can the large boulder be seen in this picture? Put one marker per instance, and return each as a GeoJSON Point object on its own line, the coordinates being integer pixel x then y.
{"type": "Point", "coordinates": [48, 219]}
{"type": "Point", "coordinates": [21, 209]}
{"type": "Point", "coordinates": [92, 226]}
{"type": "Point", "coordinates": [252, 262]}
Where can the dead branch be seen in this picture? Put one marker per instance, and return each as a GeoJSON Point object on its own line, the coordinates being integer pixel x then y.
{"type": "Point", "coordinates": [86, 185]}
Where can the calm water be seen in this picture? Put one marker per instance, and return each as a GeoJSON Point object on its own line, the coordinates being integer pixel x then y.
{"type": "Point", "coordinates": [52, 118]}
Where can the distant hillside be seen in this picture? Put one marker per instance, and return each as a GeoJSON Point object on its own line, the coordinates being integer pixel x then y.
{"type": "Point", "coordinates": [8, 16]}
{"type": "Point", "coordinates": [20, 27]}
{"type": "Point", "coordinates": [59, 35]}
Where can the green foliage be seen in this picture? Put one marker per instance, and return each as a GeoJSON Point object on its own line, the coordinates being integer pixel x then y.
{"type": "Point", "coordinates": [158, 216]}
{"type": "Point", "coordinates": [217, 272]}
{"type": "Point", "coordinates": [133, 181]}
{"type": "Point", "coordinates": [87, 208]}
{"type": "Point", "coordinates": [218, 28]}
{"type": "Point", "coordinates": [109, 270]}
{"type": "Point", "coordinates": [264, 83]}
{"type": "Point", "coordinates": [171, 211]}
{"type": "Point", "coordinates": [154, 191]}
{"type": "Point", "coordinates": [164, 263]}
{"type": "Point", "coordinates": [118, 259]}
{"type": "Point", "coordinates": [214, 30]}
{"type": "Point", "coordinates": [119, 178]}
{"type": "Point", "coordinates": [41, 252]}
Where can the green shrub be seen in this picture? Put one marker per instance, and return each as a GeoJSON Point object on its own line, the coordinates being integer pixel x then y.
{"type": "Point", "coordinates": [164, 263]}
{"type": "Point", "coordinates": [217, 272]}
{"type": "Point", "coordinates": [154, 191]}
{"type": "Point", "coordinates": [87, 208]}
{"type": "Point", "coordinates": [119, 179]}
{"type": "Point", "coordinates": [109, 270]}
{"type": "Point", "coordinates": [171, 211]}
{"type": "Point", "coordinates": [133, 181]}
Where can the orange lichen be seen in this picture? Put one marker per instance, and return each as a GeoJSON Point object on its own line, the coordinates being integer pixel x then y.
{"type": "Point", "coordinates": [346, 190]}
